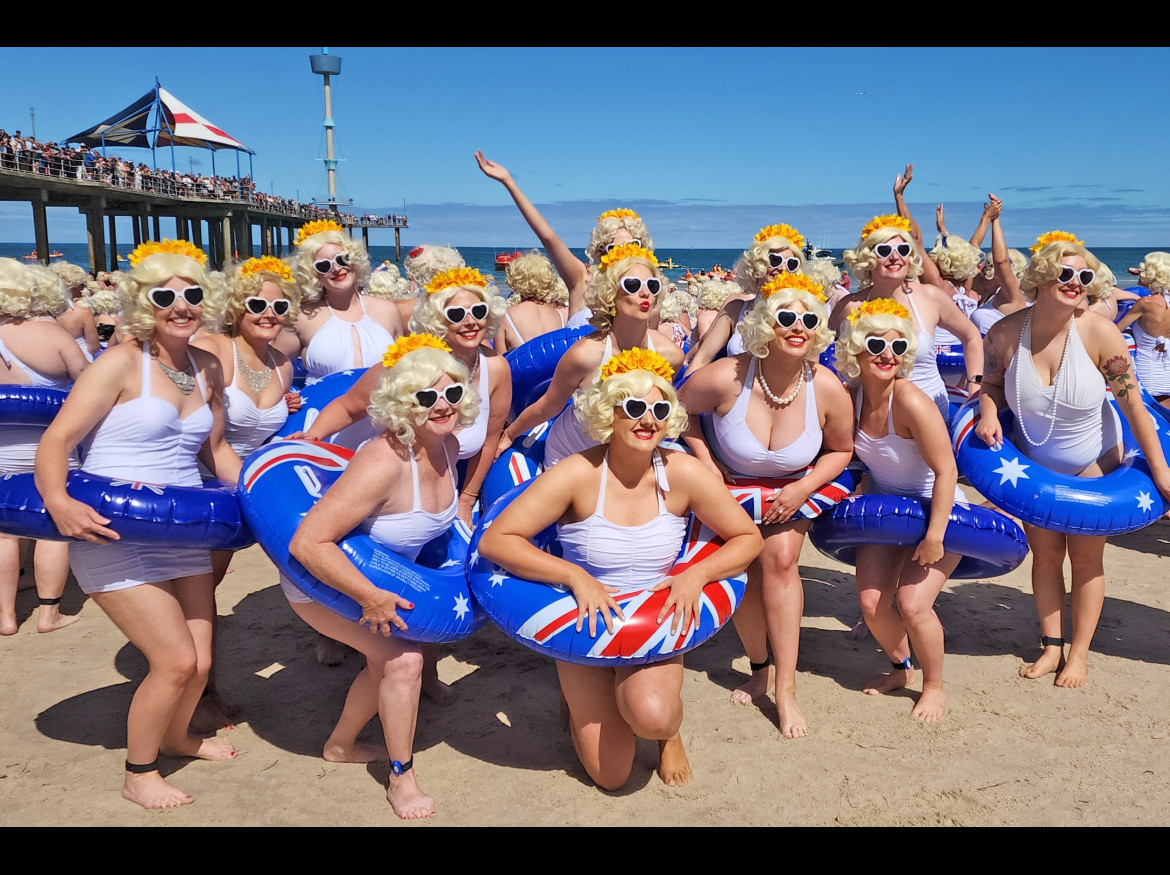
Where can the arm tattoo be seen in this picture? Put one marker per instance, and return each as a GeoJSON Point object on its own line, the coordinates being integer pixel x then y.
{"type": "Point", "coordinates": [1117, 371]}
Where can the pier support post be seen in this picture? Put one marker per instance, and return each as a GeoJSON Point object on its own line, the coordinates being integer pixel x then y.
{"type": "Point", "coordinates": [113, 242]}
{"type": "Point", "coordinates": [135, 229]}
{"type": "Point", "coordinates": [157, 229]}
{"type": "Point", "coordinates": [366, 237]}
{"type": "Point", "coordinates": [397, 243]}
{"type": "Point", "coordinates": [197, 232]}
{"type": "Point", "coordinates": [226, 236]}
{"type": "Point", "coordinates": [41, 226]}
{"type": "Point", "coordinates": [96, 237]}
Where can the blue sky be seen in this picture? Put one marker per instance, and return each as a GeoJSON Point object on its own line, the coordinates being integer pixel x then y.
{"type": "Point", "coordinates": [708, 144]}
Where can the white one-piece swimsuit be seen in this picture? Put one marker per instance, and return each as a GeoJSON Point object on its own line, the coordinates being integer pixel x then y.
{"type": "Point", "coordinates": [18, 443]}
{"type": "Point", "coordinates": [331, 349]}
{"type": "Point", "coordinates": [925, 374]}
{"type": "Point", "coordinates": [144, 441]}
{"type": "Point", "coordinates": [1086, 424]}
{"type": "Point", "coordinates": [1151, 365]}
{"type": "Point", "coordinates": [402, 533]}
{"type": "Point", "coordinates": [625, 556]}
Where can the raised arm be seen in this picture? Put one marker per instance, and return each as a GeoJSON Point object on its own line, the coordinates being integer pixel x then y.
{"type": "Point", "coordinates": [930, 274]}
{"type": "Point", "coordinates": [571, 269]}
{"type": "Point", "coordinates": [990, 211]}
{"type": "Point", "coordinates": [1004, 276]}
{"type": "Point", "coordinates": [567, 377]}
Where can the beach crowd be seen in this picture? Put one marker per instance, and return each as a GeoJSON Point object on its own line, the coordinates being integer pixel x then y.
{"type": "Point", "coordinates": [177, 374]}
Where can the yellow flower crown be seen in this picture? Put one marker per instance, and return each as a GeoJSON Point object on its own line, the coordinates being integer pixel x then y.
{"type": "Point", "coordinates": [267, 264]}
{"type": "Point", "coordinates": [890, 220]}
{"type": "Point", "coordinates": [797, 281]}
{"type": "Point", "coordinates": [621, 213]}
{"type": "Point", "coordinates": [173, 247]}
{"type": "Point", "coordinates": [1053, 237]}
{"type": "Point", "coordinates": [786, 231]}
{"type": "Point", "coordinates": [627, 250]}
{"type": "Point", "coordinates": [409, 343]}
{"type": "Point", "coordinates": [456, 276]}
{"type": "Point", "coordinates": [637, 360]}
{"type": "Point", "coordinates": [878, 306]}
{"type": "Point", "coordinates": [310, 228]}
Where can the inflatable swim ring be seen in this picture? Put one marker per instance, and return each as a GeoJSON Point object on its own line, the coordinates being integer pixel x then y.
{"type": "Point", "coordinates": [316, 396]}
{"type": "Point", "coordinates": [142, 513]}
{"type": "Point", "coordinates": [990, 543]}
{"type": "Point", "coordinates": [533, 363]}
{"type": "Point", "coordinates": [1122, 501]}
{"type": "Point", "coordinates": [280, 482]}
{"type": "Point", "coordinates": [544, 617]}
{"type": "Point", "coordinates": [29, 405]}
{"type": "Point", "coordinates": [754, 494]}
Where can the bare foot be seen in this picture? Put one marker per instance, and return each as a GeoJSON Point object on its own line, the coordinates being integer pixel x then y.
{"type": "Point", "coordinates": [860, 631]}
{"type": "Point", "coordinates": [437, 691]}
{"type": "Point", "coordinates": [932, 704]}
{"type": "Point", "coordinates": [673, 766]}
{"type": "Point", "coordinates": [329, 652]}
{"type": "Point", "coordinates": [208, 718]}
{"type": "Point", "coordinates": [755, 688]}
{"type": "Point", "coordinates": [1052, 659]}
{"type": "Point", "coordinates": [792, 724]}
{"type": "Point", "coordinates": [1074, 673]}
{"type": "Point", "coordinates": [897, 679]}
{"type": "Point", "coordinates": [356, 752]}
{"type": "Point", "coordinates": [201, 748]}
{"type": "Point", "coordinates": [8, 626]}
{"type": "Point", "coordinates": [407, 800]}
{"type": "Point", "coordinates": [152, 791]}
{"type": "Point", "coordinates": [50, 618]}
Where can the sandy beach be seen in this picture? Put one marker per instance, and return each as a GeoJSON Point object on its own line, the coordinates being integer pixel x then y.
{"type": "Point", "coordinates": [1010, 752]}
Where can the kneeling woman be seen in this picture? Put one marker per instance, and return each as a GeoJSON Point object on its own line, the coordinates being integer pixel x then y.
{"type": "Point", "coordinates": [620, 511]}
{"type": "Point", "coordinates": [400, 488]}
{"type": "Point", "coordinates": [902, 439]}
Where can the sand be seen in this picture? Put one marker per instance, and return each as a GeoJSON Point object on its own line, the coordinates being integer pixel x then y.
{"type": "Point", "coordinates": [1010, 751]}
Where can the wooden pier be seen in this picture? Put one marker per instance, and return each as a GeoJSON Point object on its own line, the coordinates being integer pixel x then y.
{"type": "Point", "coordinates": [222, 226]}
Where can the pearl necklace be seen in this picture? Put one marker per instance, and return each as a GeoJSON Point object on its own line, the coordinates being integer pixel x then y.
{"type": "Point", "coordinates": [1055, 383]}
{"type": "Point", "coordinates": [771, 396]}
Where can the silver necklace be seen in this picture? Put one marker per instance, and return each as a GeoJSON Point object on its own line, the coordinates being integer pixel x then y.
{"type": "Point", "coordinates": [1055, 383]}
{"type": "Point", "coordinates": [184, 379]}
{"type": "Point", "coordinates": [474, 368]}
{"type": "Point", "coordinates": [257, 381]}
{"type": "Point", "coordinates": [770, 395]}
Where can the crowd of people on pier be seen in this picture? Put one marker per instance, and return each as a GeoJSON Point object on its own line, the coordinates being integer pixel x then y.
{"type": "Point", "coordinates": [194, 371]}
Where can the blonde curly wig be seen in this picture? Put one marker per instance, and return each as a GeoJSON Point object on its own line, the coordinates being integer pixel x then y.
{"type": "Point", "coordinates": [851, 342]}
{"type": "Point", "coordinates": [393, 405]}
{"type": "Point", "coordinates": [309, 280]}
{"type": "Point", "coordinates": [862, 260]}
{"type": "Point", "coordinates": [532, 278]}
{"type": "Point", "coordinates": [595, 406]}
{"type": "Point", "coordinates": [601, 298]}
{"type": "Point", "coordinates": [957, 260]}
{"type": "Point", "coordinates": [602, 235]}
{"type": "Point", "coordinates": [752, 268]}
{"type": "Point", "coordinates": [1044, 267]}
{"type": "Point", "coordinates": [423, 262]}
{"type": "Point", "coordinates": [154, 270]}
{"type": "Point", "coordinates": [238, 287]}
{"type": "Point", "coordinates": [1155, 271]}
{"type": "Point", "coordinates": [758, 328]}
{"type": "Point", "coordinates": [428, 314]}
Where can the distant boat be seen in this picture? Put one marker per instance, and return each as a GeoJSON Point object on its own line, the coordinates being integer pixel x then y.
{"type": "Point", "coordinates": [505, 258]}
{"type": "Point", "coordinates": [32, 256]}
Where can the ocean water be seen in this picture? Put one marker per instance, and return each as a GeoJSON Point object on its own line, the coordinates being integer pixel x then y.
{"type": "Point", "coordinates": [484, 258]}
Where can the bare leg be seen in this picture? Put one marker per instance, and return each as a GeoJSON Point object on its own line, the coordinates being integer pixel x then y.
{"type": "Point", "coordinates": [603, 740]}
{"type": "Point", "coordinates": [917, 592]}
{"type": "Point", "coordinates": [394, 668]}
{"type": "Point", "coordinates": [783, 597]}
{"type": "Point", "coordinates": [753, 634]}
{"type": "Point", "coordinates": [1048, 551]}
{"type": "Point", "coordinates": [878, 570]}
{"type": "Point", "coordinates": [211, 712]}
{"type": "Point", "coordinates": [649, 699]}
{"type": "Point", "coordinates": [1086, 554]}
{"type": "Point", "coordinates": [9, 580]}
{"type": "Point", "coordinates": [51, 569]}
{"type": "Point", "coordinates": [433, 688]}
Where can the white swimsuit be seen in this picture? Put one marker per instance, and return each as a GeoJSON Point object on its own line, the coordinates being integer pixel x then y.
{"type": "Point", "coordinates": [1086, 424]}
{"type": "Point", "coordinates": [471, 439]}
{"type": "Point", "coordinates": [1151, 365]}
{"type": "Point", "coordinates": [19, 448]}
{"type": "Point", "coordinates": [566, 435]}
{"type": "Point", "coordinates": [331, 349]}
{"type": "Point", "coordinates": [742, 452]}
{"type": "Point", "coordinates": [964, 302]}
{"type": "Point", "coordinates": [735, 342]}
{"type": "Point", "coordinates": [520, 337]}
{"type": "Point", "coordinates": [925, 374]}
{"type": "Point", "coordinates": [143, 440]}
{"type": "Point", "coordinates": [895, 464]}
{"type": "Point", "coordinates": [403, 533]}
{"type": "Point", "coordinates": [246, 426]}
{"type": "Point", "coordinates": [625, 556]}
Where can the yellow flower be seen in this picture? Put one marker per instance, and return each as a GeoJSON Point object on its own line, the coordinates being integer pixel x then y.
{"type": "Point", "coordinates": [637, 360]}
{"type": "Point", "coordinates": [267, 264]}
{"type": "Point", "coordinates": [621, 213]}
{"type": "Point", "coordinates": [321, 225]}
{"type": "Point", "coordinates": [797, 281]}
{"type": "Point", "coordinates": [786, 231]}
{"type": "Point", "coordinates": [409, 343]}
{"type": "Point", "coordinates": [627, 250]}
{"type": "Point", "coordinates": [457, 276]}
{"type": "Point", "coordinates": [880, 305]}
{"type": "Point", "coordinates": [173, 247]}
{"type": "Point", "coordinates": [1053, 237]}
{"type": "Point", "coordinates": [887, 221]}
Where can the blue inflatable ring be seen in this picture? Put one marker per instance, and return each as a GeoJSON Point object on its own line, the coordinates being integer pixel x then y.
{"type": "Point", "coordinates": [533, 363]}
{"type": "Point", "coordinates": [316, 396]}
{"type": "Point", "coordinates": [754, 494]}
{"type": "Point", "coordinates": [990, 543]}
{"type": "Point", "coordinates": [29, 405]}
{"type": "Point", "coordinates": [280, 482]}
{"type": "Point", "coordinates": [544, 617]}
{"type": "Point", "coordinates": [141, 513]}
{"type": "Point", "coordinates": [1122, 501]}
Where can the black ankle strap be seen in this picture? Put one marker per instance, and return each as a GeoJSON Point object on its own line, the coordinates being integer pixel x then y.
{"type": "Point", "coordinates": [1045, 641]}
{"type": "Point", "coordinates": [144, 769]}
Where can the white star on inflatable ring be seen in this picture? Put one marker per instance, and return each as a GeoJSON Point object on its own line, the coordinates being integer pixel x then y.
{"type": "Point", "coordinates": [1144, 501]}
{"type": "Point", "coordinates": [461, 607]}
{"type": "Point", "coordinates": [1012, 471]}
